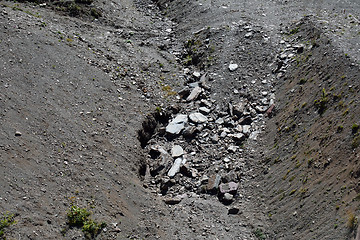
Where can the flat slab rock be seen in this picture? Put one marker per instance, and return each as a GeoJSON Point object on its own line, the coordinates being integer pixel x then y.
{"type": "Point", "coordinates": [177, 124]}
{"type": "Point", "coordinates": [198, 117]}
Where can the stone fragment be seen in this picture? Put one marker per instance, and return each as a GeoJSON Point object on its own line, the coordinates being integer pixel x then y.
{"type": "Point", "coordinates": [230, 187]}
{"type": "Point", "coordinates": [215, 138]}
{"type": "Point", "coordinates": [233, 210]}
{"type": "Point", "coordinates": [18, 133]}
{"type": "Point", "coordinates": [228, 197]}
{"type": "Point", "coordinates": [219, 121]}
{"type": "Point", "coordinates": [198, 117]}
{"type": "Point", "coordinates": [204, 110]}
{"type": "Point", "coordinates": [196, 74]}
{"type": "Point", "coordinates": [245, 120]}
{"type": "Point", "coordinates": [213, 184]}
{"type": "Point", "coordinates": [189, 132]}
{"type": "Point", "coordinates": [172, 201]}
{"type": "Point", "coordinates": [233, 148]}
{"type": "Point", "coordinates": [177, 151]}
{"type": "Point", "coordinates": [261, 109]}
{"type": "Point", "coordinates": [206, 103]}
{"type": "Point", "coordinates": [194, 94]}
{"type": "Point", "coordinates": [177, 124]}
{"type": "Point", "coordinates": [239, 109]}
{"type": "Point", "coordinates": [233, 67]}
{"type": "Point", "coordinates": [238, 137]}
{"type": "Point", "coordinates": [184, 92]}
{"type": "Point", "coordinates": [248, 35]}
{"type": "Point", "coordinates": [246, 129]}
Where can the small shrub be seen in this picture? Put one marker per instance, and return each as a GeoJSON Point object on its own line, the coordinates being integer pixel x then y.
{"type": "Point", "coordinates": [321, 103]}
{"type": "Point", "coordinates": [302, 81]}
{"type": "Point", "coordinates": [259, 234]}
{"type": "Point", "coordinates": [352, 221]}
{"type": "Point", "coordinates": [340, 128]}
{"type": "Point", "coordinates": [356, 142]}
{"type": "Point", "coordinates": [80, 217]}
{"type": "Point", "coordinates": [6, 221]}
{"type": "Point", "coordinates": [354, 128]}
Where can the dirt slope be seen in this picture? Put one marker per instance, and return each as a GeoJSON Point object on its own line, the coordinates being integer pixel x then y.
{"type": "Point", "coordinates": [89, 90]}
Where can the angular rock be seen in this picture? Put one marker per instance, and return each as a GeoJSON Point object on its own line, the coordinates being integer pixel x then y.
{"type": "Point", "coordinates": [177, 124]}
{"type": "Point", "coordinates": [184, 92]}
{"type": "Point", "coordinates": [245, 120]}
{"type": "Point", "coordinates": [177, 151]}
{"type": "Point", "coordinates": [213, 184]}
{"type": "Point", "coordinates": [198, 117]}
{"type": "Point", "coordinates": [228, 197]}
{"type": "Point", "coordinates": [261, 109]}
{"type": "Point", "coordinates": [230, 187]}
{"type": "Point", "coordinates": [239, 109]}
{"type": "Point", "coordinates": [248, 35]}
{"type": "Point", "coordinates": [196, 74]}
{"type": "Point", "coordinates": [246, 129]}
{"type": "Point", "coordinates": [172, 201]}
{"type": "Point", "coordinates": [233, 210]}
{"type": "Point", "coordinates": [189, 132]}
{"type": "Point", "coordinates": [238, 137]}
{"type": "Point", "coordinates": [206, 103]}
{"type": "Point", "coordinates": [219, 121]}
{"type": "Point", "coordinates": [233, 67]}
{"type": "Point", "coordinates": [233, 148]}
{"type": "Point", "coordinates": [194, 94]}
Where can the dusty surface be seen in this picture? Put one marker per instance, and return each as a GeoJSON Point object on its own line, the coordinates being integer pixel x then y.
{"type": "Point", "coordinates": [87, 95]}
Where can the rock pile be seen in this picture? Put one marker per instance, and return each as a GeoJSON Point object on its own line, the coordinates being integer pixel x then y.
{"type": "Point", "coordinates": [200, 148]}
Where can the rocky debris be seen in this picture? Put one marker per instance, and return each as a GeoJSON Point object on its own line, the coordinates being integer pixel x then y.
{"type": "Point", "coordinates": [18, 133]}
{"type": "Point", "coordinates": [212, 133]}
{"type": "Point", "coordinates": [177, 124]}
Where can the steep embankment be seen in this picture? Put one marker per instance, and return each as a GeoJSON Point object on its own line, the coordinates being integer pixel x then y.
{"type": "Point", "coordinates": [314, 139]}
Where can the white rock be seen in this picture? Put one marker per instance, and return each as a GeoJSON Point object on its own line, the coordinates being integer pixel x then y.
{"type": "Point", "coordinates": [178, 124]}
{"type": "Point", "coordinates": [198, 117]}
{"type": "Point", "coordinates": [233, 67]}
{"type": "Point", "coordinates": [246, 129]}
{"type": "Point", "coordinates": [194, 94]}
{"type": "Point", "coordinates": [177, 151]}
{"type": "Point", "coordinates": [175, 167]}
{"type": "Point", "coordinates": [204, 110]}
{"type": "Point", "coordinates": [197, 74]}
